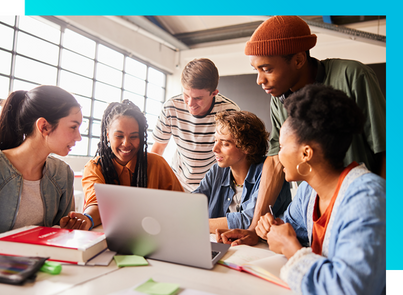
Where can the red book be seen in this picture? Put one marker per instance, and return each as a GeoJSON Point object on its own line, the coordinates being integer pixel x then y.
{"type": "Point", "coordinates": [64, 245]}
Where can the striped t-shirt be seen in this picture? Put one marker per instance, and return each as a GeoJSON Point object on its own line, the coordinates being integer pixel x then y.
{"type": "Point", "coordinates": [194, 137]}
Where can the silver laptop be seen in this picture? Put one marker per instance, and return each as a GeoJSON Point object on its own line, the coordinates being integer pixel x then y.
{"type": "Point", "coordinates": [158, 224]}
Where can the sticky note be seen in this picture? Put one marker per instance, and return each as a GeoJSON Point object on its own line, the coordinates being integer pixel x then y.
{"type": "Point", "coordinates": [130, 260]}
{"type": "Point", "coordinates": [154, 288]}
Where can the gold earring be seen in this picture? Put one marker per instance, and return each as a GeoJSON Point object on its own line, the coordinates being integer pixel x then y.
{"type": "Point", "coordinates": [304, 174]}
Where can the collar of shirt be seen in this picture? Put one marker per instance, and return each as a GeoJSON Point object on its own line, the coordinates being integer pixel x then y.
{"type": "Point", "coordinates": [249, 180]}
{"type": "Point", "coordinates": [131, 165]}
{"type": "Point", "coordinates": [209, 111]}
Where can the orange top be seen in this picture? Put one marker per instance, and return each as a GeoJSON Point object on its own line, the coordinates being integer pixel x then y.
{"type": "Point", "coordinates": [320, 223]}
{"type": "Point", "coordinates": [159, 176]}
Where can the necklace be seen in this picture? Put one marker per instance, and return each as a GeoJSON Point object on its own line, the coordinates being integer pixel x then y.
{"type": "Point", "coordinates": [237, 185]}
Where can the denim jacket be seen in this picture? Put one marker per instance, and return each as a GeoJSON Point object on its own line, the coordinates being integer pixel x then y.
{"type": "Point", "coordinates": [216, 185]}
{"type": "Point", "coordinates": [353, 259]}
{"type": "Point", "coordinates": [56, 188]}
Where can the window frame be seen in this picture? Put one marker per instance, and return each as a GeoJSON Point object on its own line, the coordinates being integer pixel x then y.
{"type": "Point", "coordinates": [98, 41]}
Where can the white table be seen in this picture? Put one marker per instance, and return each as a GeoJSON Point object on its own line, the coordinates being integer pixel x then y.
{"type": "Point", "coordinates": [220, 280]}
{"type": "Point", "coordinates": [98, 280]}
{"type": "Point", "coordinates": [71, 275]}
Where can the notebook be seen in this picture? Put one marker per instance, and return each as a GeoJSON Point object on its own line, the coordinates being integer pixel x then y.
{"type": "Point", "coordinates": [159, 224]}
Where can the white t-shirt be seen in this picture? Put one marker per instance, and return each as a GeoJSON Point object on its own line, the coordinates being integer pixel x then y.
{"type": "Point", "coordinates": [30, 210]}
{"type": "Point", "coordinates": [235, 205]}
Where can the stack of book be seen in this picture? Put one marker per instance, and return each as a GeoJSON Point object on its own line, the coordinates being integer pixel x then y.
{"type": "Point", "coordinates": [63, 245]}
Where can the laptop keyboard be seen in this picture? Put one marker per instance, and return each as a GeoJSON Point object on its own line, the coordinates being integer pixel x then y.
{"type": "Point", "coordinates": [214, 254]}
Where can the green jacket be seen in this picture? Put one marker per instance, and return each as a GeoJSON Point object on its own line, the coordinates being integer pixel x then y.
{"type": "Point", "coordinates": [360, 83]}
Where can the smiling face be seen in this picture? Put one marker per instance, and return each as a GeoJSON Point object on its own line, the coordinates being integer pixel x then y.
{"type": "Point", "coordinates": [198, 101]}
{"type": "Point", "coordinates": [275, 74]}
{"type": "Point", "coordinates": [290, 152]}
{"type": "Point", "coordinates": [61, 140]}
{"type": "Point", "coordinates": [124, 137]}
{"type": "Point", "coordinates": [225, 150]}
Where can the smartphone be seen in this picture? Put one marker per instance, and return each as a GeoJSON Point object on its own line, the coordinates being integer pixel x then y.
{"type": "Point", "coordinates": [18, 269]}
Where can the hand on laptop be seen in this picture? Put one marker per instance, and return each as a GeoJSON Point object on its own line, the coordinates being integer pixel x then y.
{"type": "Point", "coordinates": [237, 237]}
{"type": "Point", "coordinates": [75, 220]}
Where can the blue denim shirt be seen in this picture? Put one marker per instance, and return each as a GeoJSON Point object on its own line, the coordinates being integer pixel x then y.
{"type": "Point", "coordinates": [356, 260]}
{"type": "Point", "coordinates": [56, 191]}
{"type": "Point", "coordinates": [216, 185]}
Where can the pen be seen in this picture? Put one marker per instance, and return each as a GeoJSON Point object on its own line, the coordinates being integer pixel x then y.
{"type": "Point", "coordinates": [271, 212]}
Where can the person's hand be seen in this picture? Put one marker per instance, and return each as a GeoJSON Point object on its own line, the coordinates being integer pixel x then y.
{"type": "Point", "coordinates": [237, 237]}
{"type": "Point", "coordinates": [282, 239]}
{"type": "Point", "coordinates": [265, 223]}
{"type": "Point", "coordinates": [75, 220]}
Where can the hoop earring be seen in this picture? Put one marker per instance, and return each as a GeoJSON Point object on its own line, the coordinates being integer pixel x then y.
{"type": "Point", "coordinates": [299, 166]}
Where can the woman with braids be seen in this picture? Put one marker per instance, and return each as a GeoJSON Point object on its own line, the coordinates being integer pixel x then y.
{"type": "Point", "coordinates": [333, 232]}
{"type": "Point", "coordinates": [121, 159]}
{"type": "Point", "coordinates": [35, 188]}
{"type": "Point", "coordinates": [232, 184]}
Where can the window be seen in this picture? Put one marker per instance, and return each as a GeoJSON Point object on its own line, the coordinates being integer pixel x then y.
{"type": "Point", "coordinates": [95, 72]}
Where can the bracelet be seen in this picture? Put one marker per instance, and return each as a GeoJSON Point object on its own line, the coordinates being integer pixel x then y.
{"type": "Point", "coordinates": [90, 218]}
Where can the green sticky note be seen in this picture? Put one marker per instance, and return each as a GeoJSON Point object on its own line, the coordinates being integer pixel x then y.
{"type": "Point", "coordinates": [153, 288]}
{"type": "Point", "coordinates": [130, 260]}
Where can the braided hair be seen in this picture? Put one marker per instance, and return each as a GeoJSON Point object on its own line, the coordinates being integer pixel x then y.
{"type": "Point", "coordinates": [113, 112]}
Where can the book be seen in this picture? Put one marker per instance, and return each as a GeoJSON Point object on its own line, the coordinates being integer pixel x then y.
{"type": "Point", "coordinates": [259, 262]}
{"type": "Point", "coordinates": [63, 245]}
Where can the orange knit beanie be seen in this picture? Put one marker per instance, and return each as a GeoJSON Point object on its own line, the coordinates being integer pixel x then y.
{"type": "Point", "coordinates": [281, 35]}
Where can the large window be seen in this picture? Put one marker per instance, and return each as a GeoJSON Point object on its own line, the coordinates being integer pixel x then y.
{"type": "Point", "coordinates": [35, 51]}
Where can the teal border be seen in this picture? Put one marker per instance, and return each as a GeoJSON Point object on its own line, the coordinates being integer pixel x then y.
{"type": "Point", "coordinates": [394, 142]}
{"type": "Point", "coordinates": [206, 7]}
{"type": "Point", "coordinates": [394, 236]}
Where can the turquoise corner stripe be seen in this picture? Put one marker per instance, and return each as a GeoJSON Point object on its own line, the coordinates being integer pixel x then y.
{"type": "Point", "coordinates": [206, 7]}
{"type": "Point", "coordinates": [394, 144]}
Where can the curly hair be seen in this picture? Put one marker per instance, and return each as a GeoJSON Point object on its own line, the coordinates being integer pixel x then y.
{"type": "Point", "coordinates": [113, 112]}
{"type": "Point", "coordinates": [327, 116]}
{"type": "Point", "coordinates": [248, 132]}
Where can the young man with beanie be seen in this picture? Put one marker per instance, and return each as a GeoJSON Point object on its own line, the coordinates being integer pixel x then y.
{"type": "Point", "coordinates": [189, 118]}
{"type": "Point", "coordinates": [279, 51]}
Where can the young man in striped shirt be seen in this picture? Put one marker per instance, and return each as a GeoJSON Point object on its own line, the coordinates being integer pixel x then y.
{"type": "Point", "coordinates": [189, 118]}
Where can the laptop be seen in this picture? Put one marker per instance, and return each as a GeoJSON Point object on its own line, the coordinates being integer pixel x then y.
{"type": "Point", "coordinates": [158, 224]}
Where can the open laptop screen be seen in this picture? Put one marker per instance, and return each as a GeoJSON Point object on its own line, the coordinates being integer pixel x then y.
{"type": "Point", "coordinates": [165, 225]}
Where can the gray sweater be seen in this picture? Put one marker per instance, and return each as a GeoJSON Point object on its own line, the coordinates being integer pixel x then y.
{"type": "Point", "coordinates": [56, 191]}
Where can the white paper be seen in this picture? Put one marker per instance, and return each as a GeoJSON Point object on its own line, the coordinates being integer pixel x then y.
{"type": "Point", "coordinates": [104, 258]}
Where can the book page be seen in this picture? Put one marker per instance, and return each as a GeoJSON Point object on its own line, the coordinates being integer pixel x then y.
{"type": "Point", "coordinates": [239, 255]}
{"type": "Point", "coordinates": [269, 265]}
{"type": "Point", "coordinates": [268, 268]}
